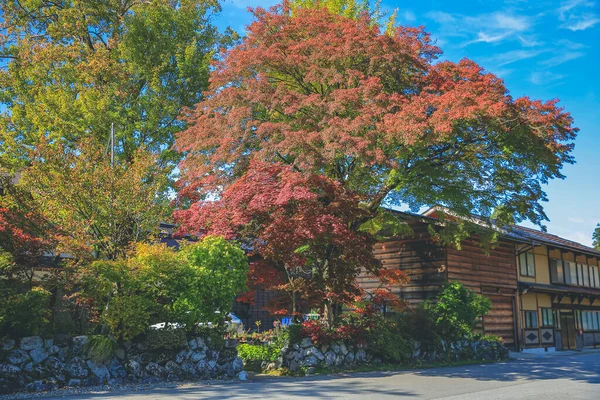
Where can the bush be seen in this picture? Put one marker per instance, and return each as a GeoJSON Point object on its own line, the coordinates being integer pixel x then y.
{"type": "Point", "coordinates": [457, 311]}
{"type": "Point", "coordinates": [258, 352]}
{"type": "Point", "coordinates": [169, 338]}
{"type": "Point", "coordinates": [101, 348]}
{"type": "Point", "coordinates": [157, 284]}
{"type": "Point", "coordinates": [388, 341]}
{"type": "Point", "coordinates": [24, 314]}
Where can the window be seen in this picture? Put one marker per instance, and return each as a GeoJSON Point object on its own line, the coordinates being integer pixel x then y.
{"type": "Point", "coordinates": [530, 319]}
{"type": "Point", "coordinates": [594, 278]}
{"type": "Point", "coordinates": [527, 264]}
{"type": "Point", "coordinates": [556, 271]}
{"type": "Point", "coordinates": [547, 317]}
{"type": "Point", "coordinates": [590, 320]}
{"type": "Point", "coordinates": [586, 275]}
{"type": "Point", "coordinates": [570, 273]}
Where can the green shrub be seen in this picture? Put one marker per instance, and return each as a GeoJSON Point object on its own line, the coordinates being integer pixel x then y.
{"type": "Point", "coordinates": [24, 314]}
{"type": "Point", "coordinates": [169, 338]}
{"type": "Point", "coordinates": [457, 311]}
{"type": "Point", "coordinates": [294, 333]}
{"type": "Point", "coordinates": [127, 315]}
{"type": "Point", "coordinates": [387, 341]}
{"type": "Point", "coordinates": [101, 348]}
{"type": "Point", "coordinates": [258, 352]}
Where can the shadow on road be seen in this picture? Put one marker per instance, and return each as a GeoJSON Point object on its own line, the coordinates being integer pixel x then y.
{"type": "Point", "coordinates": [584, 368]}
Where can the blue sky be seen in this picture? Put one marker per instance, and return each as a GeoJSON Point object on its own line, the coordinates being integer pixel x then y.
{"type": "Point", "coordinates": [543, 49]}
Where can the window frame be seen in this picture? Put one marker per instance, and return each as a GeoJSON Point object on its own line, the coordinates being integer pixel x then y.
{"type": "Point", "coordinates": [529, 269]}
{"type": "Point", "coordinates": [545, 313]}
{"type": "Point", "coordinates": [528, 322]}
{"type": "Point", "coordinates": [559, 274]}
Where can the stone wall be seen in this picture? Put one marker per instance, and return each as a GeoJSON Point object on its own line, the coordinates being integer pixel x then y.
{"type": "Point", "coordinates": [36, 364]}
{"type": "Point", "coordinates": [339, 355]}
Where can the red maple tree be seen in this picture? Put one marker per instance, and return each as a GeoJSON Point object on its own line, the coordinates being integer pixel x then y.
{"type": "Point", "coordinates": [368, 117]}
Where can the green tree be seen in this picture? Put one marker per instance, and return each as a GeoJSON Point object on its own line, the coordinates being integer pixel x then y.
{"type": "Point", "coordinates": [596, 237]}
{"type": "Point", "coordinates": [457, 311]}
{"type": "Point", "coordinates": [98, 208]}
{"type": "Point", "coordinates": [71, 69]}
{"type": "Point", "coordinates": [158, 284]}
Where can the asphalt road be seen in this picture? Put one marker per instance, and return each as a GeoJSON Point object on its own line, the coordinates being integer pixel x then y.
{"type": "Point", "coordinates": [556, 377]}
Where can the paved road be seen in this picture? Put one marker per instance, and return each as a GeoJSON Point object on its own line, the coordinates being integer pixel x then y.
{"type": "Point", "coordinates": [556, 377]}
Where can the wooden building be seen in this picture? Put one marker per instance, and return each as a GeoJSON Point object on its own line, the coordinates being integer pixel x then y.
{"type": "Point", "coordinates": [545, 290]}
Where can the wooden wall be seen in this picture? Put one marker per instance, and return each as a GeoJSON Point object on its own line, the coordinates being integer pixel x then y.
{"type": "Point", "coordinates": [422, 260]}
{"type": "Point", "coordinates": [494, 275]}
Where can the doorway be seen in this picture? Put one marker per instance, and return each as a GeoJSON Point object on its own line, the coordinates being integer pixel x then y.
{"type": "Point", "coordinates": [567, 325]}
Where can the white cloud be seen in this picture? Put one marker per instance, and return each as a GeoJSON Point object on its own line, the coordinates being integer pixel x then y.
{"type": "Point", "coordinates": [585, 22]}
{"type": "Point", "coordinates": [408, 15]}
{"type": "Point", "coordinates": [561, 59]}
{"type": "Point", "coordinates": [509, 57]}
{"type": "Point", "coordinates": [483, 28]}
{"type": "Point", "coordinates": [576, 15]}
{"type": "Point", "coordinates": [545, 77]}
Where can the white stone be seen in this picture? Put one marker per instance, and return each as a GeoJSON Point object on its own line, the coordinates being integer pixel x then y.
{"type": "Point", "coordinates": [31, 342]}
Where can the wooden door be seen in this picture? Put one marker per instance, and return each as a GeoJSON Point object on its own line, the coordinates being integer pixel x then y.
{"type": "Point", "coordinates": [567, 327]}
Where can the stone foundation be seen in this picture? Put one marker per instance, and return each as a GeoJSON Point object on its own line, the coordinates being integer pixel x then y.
{"type": "Point", "coordinates": [36, 364]}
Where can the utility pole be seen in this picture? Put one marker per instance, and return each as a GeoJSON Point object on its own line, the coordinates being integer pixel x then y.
{"type": "Point", "coordinates": [112, 144]}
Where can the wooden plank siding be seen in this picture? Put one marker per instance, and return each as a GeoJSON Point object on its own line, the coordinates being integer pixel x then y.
{"type": "Point", "coordinates": [421, 259]}
{"type": "Point", "coordinates": [493, 275]}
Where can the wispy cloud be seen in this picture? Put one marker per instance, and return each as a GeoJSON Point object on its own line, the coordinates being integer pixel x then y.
{"type": "Point", "coordinates": [578, 15]}
{"type": "Point", "coordinates": [509, 57]}
{"type": "Point", "coordinates": [561, 59]}
{"type": "Point", "coordinates": [483, 28]}
{"type": "Point", "coordinates": [545, 77]}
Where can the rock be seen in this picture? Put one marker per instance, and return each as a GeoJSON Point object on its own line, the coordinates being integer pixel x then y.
{"type": "Point", "coordinates": [238, 365]}
{"type": "Point", "coordinates": [156, 370]}
{"type": "Point", "coordinates": [61, 339]}
{"type": "Point", "coordinates": [294, 366]}
{"type": "Point", "coordinates": [56, 368]}
{"type": "Point", "coordinates": [135, 369]}
{"type": "Point", "coordinates": [330, 358]}
{"type": "Point", "coordinates": [343, 349]}
{"type": "Point", "coordinates": [120, 353]}
{"type": "Point", "coordinates": [115, 381]}
{"type": "Point", "coordinates": [77, 368]}
{"type": "Point", "coordinates": [310, 361]}
{"type": "Point", "coordinates": [144, 358]}
{"type": "Point", "coordinates": [7, 370]}
{"type": "Point", "coordinates": [74, 382]}
{"type": "Point", "coordinates": [116, 369]}
{"type": "Point", "coordinates": [79, 343]}
{"type": "Point", "coordinates": [99, 370]}
{"type": "Point", "coordinates": [360, 356]}
{"type": "Point", "coordinates": [201, 366]}
{"type": "Point", "coordinates": [271, 366]}
{"type": "Point", "coordinates": [324, 348]}
{"type": "Point", "coordinates": [193, 344]}
{"type": "Point", "coordinates": [48, 343]}
{"type": "Point", "coordinates": [306, 342]}
{"type": "Point", "coordinates": [31, 342]}
{"type": "Point", "coordinates": [201, 343]}
{"type": "Point", "coordinates": [173, 370]}
{"type": "Point", "coordinates": [290, 355]}
{"type": "Point", "coordinates": [212, 364]}
{"type": "Point", "coordinates": [181, 356]}
{"type": "Point", "coordinates": [188, 369]}
{"type": "Point", "coordinates": [63, 353]}
{"type": "Point", "coordinates": [350, 357]}
{"type": "Point", "coordinates": [92, 380]}
{"type": "Point", "coordinates": [38, 386]}
{"type": "Point", "coordinates": [18, 357]}
{"type": "Point", "coordinates": [228, 369]}
{"type": "Point", "coordinates": [310, 371]}
{"type": "Point", "coordinates": [8, 345]}
{"type": "Point", "coordinates": [197, 356]}
{"type": "Point", "coordinates": [313, 351]}
{"type": "Point", "coordinates": [33, 371]}
{"type": "Point", "coordinates": [212, 354]}
{"type": "Point", "coordinates": [335, 347]}
{"type": "Point", "coordinates": [38, 355]}
{"type": "Point", "coordinates": [52, 350]}
{"type": "Point", "coordinates": [242, 376]}
{"type": "Point", "coordinates": [339, 360]}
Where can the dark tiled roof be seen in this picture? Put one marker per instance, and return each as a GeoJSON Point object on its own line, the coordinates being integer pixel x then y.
{"type": "Point", "coordinates": [518, 233]}
{"type": "Point", "coordinates": [532, 235]}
